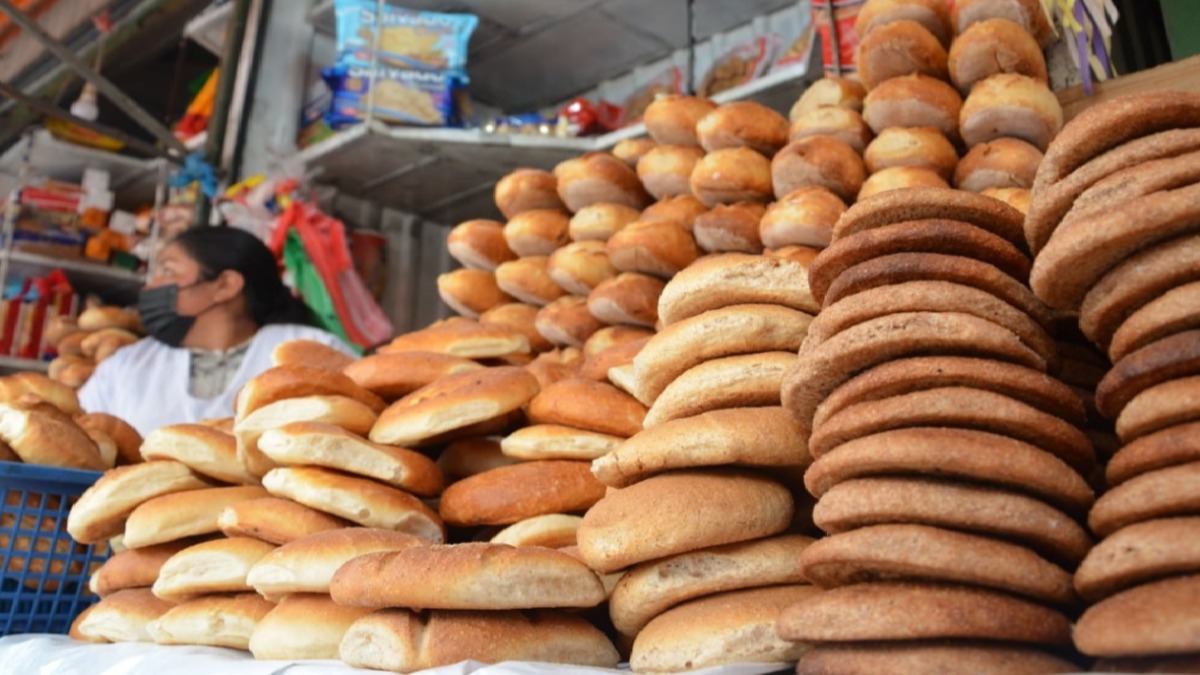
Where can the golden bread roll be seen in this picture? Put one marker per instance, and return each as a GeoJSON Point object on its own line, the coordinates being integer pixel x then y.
{"type": "Point", "coordinates": [991, 47]}
{"type": "Point", "coordinates": [683, 209]}
{"type": "Point", "coordinates": [567, 322]}
{"type": "Point", "coordinates": [732, 175]}
{"type": "Point", "coordinates": [554, 365]}
{"type": "Point", "coordinates": [103, 343]}
{"type": "Point", "coordinates": [71, 344]}
{"type": "Point", "coordinates": [666, 170]}
{"type": "Point", "coordinates": [659, 248]}
{"type": "Point", "coordinates": [843, 124]}
{"type": "Point", "coordinates": [631, 150]}
{"type": "Point", "coordinates": [303, 626]}
{"type": "Point", "coordinates": [555, 441]}
{"type": "Point", "coordinates": [743, 124]}
{"type": "Point", "coordinates": [525, 190]}
{"type": "Point", "coordinates": [553, 530]}
{"type": "Point", "coordinates": [339, 410]}
{"type": "Point", "coordinates": [600, 221]}
{"type": "Point", "coordinates": [128, 440]}
{"type": "Point", "coordinates": [213, 620]}
{"type": "Point", "coordinates": [217, 566]}
{"type": "Point", "coordinates": [134, 568]}
{"type": "Point", "coordinates": [47, 439]}
{"type": "Point", "coordinates": [818, 161]}
{"type": "Point", "coordinates": [899, 178]}
{"type": "Point", "coordinates": [1018, 198]}
{"type": "Point", "coordinates": [628, 298]}
{"type": "Point", "coordinates": [597, 366]}
{"type": "Point", "coordinates": [275, 520]}
{"type": "Point", "coordinates": [479, 244]}
{"type": "Point", "coordinates": [1028, 14]}
{"type": "Point", "coordinates": [899, 48]}
{"type": "Point", "coordinates": [934, 15]}
{"type": "Point", "coordinates": [510, 494]}
{"type": "Point", "coordinates": [307, 565]}
{"type": "Point", "coordinates": [580, 266]}
{"type": "Point", "coordinates": [59, 328]}
{"type": "Point", "coordinates": [35, 386]}
{"type": "Point", "coordinates": [672, 119]}
{"type": "Point", "coordinates": [529, 280]}
{"type": "Point", "coordinates": [1011, 105]}
{"type": "Point", "coordinates": [359, 500]}
{"type": "Point", "coordinates": [284, 382]}
{"type": "Point", "coordinates": [801, 254]}
{"type": "Point", "coordinates": [312, 353]}
{"type": "Point", "coordinates": [589, 405]}
{"type": "Point", "coordinates": [925, 147]}
{"type": "Point", "coordinates": [329, 446]}
{"type": "Point", "coordinates": [462, 337]}
{"type": "Point", "coordinates": [730, 228]}
{"type": "Point", "coordinates": [123, 616]}
{"type": "Point", "coordinates": [464, 458]}
{"type": "Point", "coordinates": [735, 279]}
{"type": "Point", "coordinates": [471, 292]}
{"type": "Point", "coordinates": [183, 514]}
{"type": "Point", "coordinates": [537, 232]}
{"type": "Point", "coordinates": [207, 451]}
{"type": "Point", "coordinates": [98, 318]}
{"type": "Point", "coordinates": [387, 639]}
{"type": "Point", "coordinates": [803, 217]}
{"type": "Point", "coordinates": [613, 336]}
{"type": "Point", "coordinates": [743, 381]}
{"type": "Point", "coordinates": [71, 371]}
{"type": "Point", "coordinates": [101, 511]}
{"type": "Point", "coordinates": [454, 402]}
{"type": "Point", "coordinates": [391, 376]}
{"type": "Point", "coordinates": [833, 92]}
{"type": "Point", "coordinates": [914, 101]}
{"type": "Point", "coordinates": [1002, 163]}
{"type": "Point", "coordinates": [598, 177]}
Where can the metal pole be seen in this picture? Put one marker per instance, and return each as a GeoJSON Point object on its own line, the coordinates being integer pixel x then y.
{"type": "Point", "coordinates": [102, 84]}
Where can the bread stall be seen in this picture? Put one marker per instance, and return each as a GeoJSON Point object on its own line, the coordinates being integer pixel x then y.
{"type": "Point", "coordinates": [897, 376]}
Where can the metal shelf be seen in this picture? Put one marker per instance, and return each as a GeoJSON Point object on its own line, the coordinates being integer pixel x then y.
{"type": "Point", "coordinates": [133, 178]}
{"type": "Point", "coordinates": [12, 364]}
{"type": "Point", "coordinates": [208, 28]}
{"type": "Point", "coordinates": [85, 271]}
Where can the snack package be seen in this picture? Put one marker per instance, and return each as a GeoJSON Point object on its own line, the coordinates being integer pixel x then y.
{"type": "Point", "coordinates": [407, 38]}
{"type": "Point", "coordinates": [417, 97]}
{"type": "Point", "coordinates": [732, 59]}
{"type": "Point", "coordinates": [794, 28]}
{"type": "Point", "coordinates": [844, 13]}
{"type": "Point", "coordinates": [623, 100]}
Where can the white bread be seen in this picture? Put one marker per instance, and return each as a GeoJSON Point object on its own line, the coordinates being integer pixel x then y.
{"type": "Point", "coordinates": [101, 511]}
{"type": "Point", "coordinates": [742, 381]}
{"type": "Point", "coordinates": [537, 232]}
{"type": "Point", "coordinates": [666, 170]}
{"type": "Point", "coordinates": [580, 266]}
{"type": "Point", "coordinates": [659, 248]}
{"type": "Point", "coordinates": [899, 48]}
{"type": "Point", "coordinates": [275, 520]}
{"type": "Point", "coordinates": [566, 322]}
{"type": "Point", "coordinates": [529, 280]}
{"type": "Point", "coordinates": [99, 318]}
{"type": "Point", "coordinates": [295, 381]}
{"type": "Point", "coordinates": [128, 440]}
{"type": "Point", "coordinates": [49, 438]}
{"type": "Point", "coordinates": [901, 178]}
{"type": "Point", "coordinates": [732, 175]}
{"type": "Point", "coordinates": [934, 15]}
{"type": "Point", "coordinates": [341, 411]}
{"type": "Point", "coordinates": [735, 279]}
{"type": "Point", "coordinates": [134, 568]}
{"type": "Point", "coordinates": [183, 514]}
{"type": "Point", "coordinates": [743, 124]}
{"type": "Point", "coordinates": [123, 616]}
{"type": "Point", "coordinates": [358, 500]}
{"type": "Point", "coordinates": [612, 336]}
{"type": "Point", "coordinates": [553, 530]}
{"type": "Point", "coordinates": [387, 640]}
{"type": "Point", "coordinates": [844, 124]}
{"type": "Point", "coordinates": [470, 292]}
{"type": "Point", "coordinates": [1018, 198]}
{"type": "Point", "coordinates": [303, 626]}
{"type": "Point", "coordinates": [329, 446]}
{"type": "Point", "coordinates": [631, 150]}
{"type": "Point", "coordinates": [600, 221]}
{"type": "Point", "coordinates": [587, 404]}
{"type": "Point", "coordinates": [213, 620]}
{"type": "Point", "coordinates": [205, 450]}
{"type": "Point", "coordinates": [467, 576]}
{"type": "Point", "coordinates": [925, 147]}
{"type": "Point", "coordinates": [672, 119]}
{"type": "Point", "coordinates": [914, 101]}
{"type": "Point", "coordinates": [1002, 163]}
{"type": "Point", "coordinates": [804, 217]}
{"type": "Point", "coordinates": [392, 376]}
{"type": "Point", "coordinates": [628, 298]}
{"type": "Point", "coordinates": [462, 337]}
{"type": "Point", "coordinates": [552, 366]}
{"type": "Point", "coordinates": [555, 441]}
{"type": "Point", "coordinates": [479, 244]}
{"type": "Point", "coordinates": [598, 177]}
{"type": "Point", "coordinates": [510, 494]}
{"type": "Point", "coordinates": [596, 366]}
{"type": "Point", "coordinates": [730, 228]}
{"type": "Point", "coordinates": [1011, 105]}
{"type": "Point", "coordinates": [994, 46]}
{"type": "Point", "coordinates": [217, 566]}
{"type": "Point", "coordinates": [818, 161]}
{"type": "Point", "coordinates": [837, 92]}
{"type": "Point", "coordinates": [516, 316]}
{"type": "Point", "coordinates": [312, 353]}
{"type": "Point", "coordinates": [683, 209]}
{"type": "Point", "coordinates": [307, 565]}
{"type": "Point", "coordinates": [527, 189]}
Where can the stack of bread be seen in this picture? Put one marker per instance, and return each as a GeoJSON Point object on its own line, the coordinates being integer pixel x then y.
{"type": "Point", "coordinates": [948, 465]}
{"type": "Point", "coordinates": [1113, 222]}
{"type": "Point", "coordinates": [974, 77]}
{"type": "Point", "coordinates": [83, 343]}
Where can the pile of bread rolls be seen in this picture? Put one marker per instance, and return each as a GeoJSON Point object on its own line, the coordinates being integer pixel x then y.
{"type": "Point", "coordinates": [1113, 221]}
{"type": "Point", "coordinates": [83, 343]}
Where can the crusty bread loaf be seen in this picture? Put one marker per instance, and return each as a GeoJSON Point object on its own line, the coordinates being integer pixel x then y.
{"type": "Point", "coordinates": [303, 626]}
{"type": "Point", "coordinates": [527, 189]}
{"type": "Point", "coordinates": [213, 620]}
{"type": "Point", "coordinates": [312, 353]}
{"type": "Point", "coordinates": [681, 511]}
{"type": "Point", "coordinates": [730, 228]}
{"type": "Point", "coordinates": [631, 150]}
{"type": "Point", "coordinates": [510, 494]}
{"type": "Point", "coordinates": [123, 616]}
{"type": "Point", "coordinates": [205, 450]}
{"type": "Point", "coordinates": [341, 411]}
{"type": "Point", "coordinates": [587, 404]}
{"type": "Point", "coordinates": [600, 221]}
{"type": "Point", "coordinates": [217, 566]}
{"type": "Point", "coordinates": [818, 161]}
{"type": "Point", "coordinates": [612, 336]}
{"type": "Point", "coordinates": [596, 367]}
{"type": "Point", "coordinates": [660, 248]}
{"type": "Point", "coordinates": [912, 146]}
{"type": "Point", "coordinates": [459, 336]}
{"type": "Point", "coordinates": [183, 514]}
{"type": "Point", "coordinates": [49, 438]}
{"type": "Point", "coordinates": [901, 178]}
{"type": "Point", "coordinates": [388, 639]}
{"type": "Point", "coordinates": [732, 175]}
{"type": "Point", "coordinates": [454, 402]}
{"type": "Point", "coordinates": [467, 577]}
{"type": "Point", "coordinates": [666, 170]}
{"type": "Point", "coordinates": [537, 232]}
{"type": "Point", "coordinates": [517, 316]}
{"type": "Point", "coordinates": [914, 101]}
{"type": "Point", "coordinates": [101, 511]}
{"type": "Point", "coordinates": [580, 266]}
{"type": "Point", "coordinates": [934, 15]}
{"type": "Point", "coordinates": [743, 124]}
{"type": "Point", "coordinates": [98, 318]}
{"type": "Point", "coordinates": [844, 124]}
{"type": "Point", "coordinates": [994, 46]}
{"type": "Point", "coordinates": [838, 92]}
{"type": "Point", "coordinates": [555, 441]}
{"type": "Point", "coordinates": [804, 217]}
{"type": "Point", "coordinates": [391, 376]}
{"type": "Point", "coordinates": [275, 520]}
{"type": "Point", "coordinates": [553, 530]}
{"type": "Point", "coordinates": [135, 567]}
{"type": "Point", "coordinates": [566, 322]}
{"type": "Point", "coordinates": [1028, 14]}
{"type": "Point", "coordinates": [628, 298]}
{"type": "Point", "coordinates": [294, 381]}
{"type": "Point", "coordinates": [470, 292]}
{"type": "Point", "coordinates": [26, 385]}
{"type": "Point", "coordinates": [672, 119]}
{"type": "Point", "coordinates": [1011, 105]}
{"type": "Point", "coordinates": [479, 244]}
{"type": "Point", "coordinates": [1002, 163]}
{"type": "Point", "coordinates": [899, 48]}
{"type": "Point", "coordinates": [598, 177]}
{"type": "Point", "coordinates": [742, 381]}
{"type": "Point", "coordinates": [683, 209]}
{"type": "Point", "coordinates": [552, 366]}
{"type": "Point", "coordinates": [529, 280]}
{"type": "Point", "coordinates": [329, 446]}
{"type": "Point", "coordinates": [471, 456]}
{"type": "Point", "coordinates": [734, 279]}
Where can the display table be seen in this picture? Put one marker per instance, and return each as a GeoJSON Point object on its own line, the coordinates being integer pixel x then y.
{"type": "Point", "coordinates": [59, 655]}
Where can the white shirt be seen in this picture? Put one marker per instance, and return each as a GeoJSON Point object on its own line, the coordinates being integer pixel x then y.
{"type": "Point", "coordinates": [146, 383]}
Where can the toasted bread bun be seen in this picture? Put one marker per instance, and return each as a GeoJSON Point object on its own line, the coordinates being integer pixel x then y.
{"type": "Point", "coordinates": [672, 119]}
{"type": "Point", "coordinates": [207, 451]}
{"type": "Point", "coordinates": [462, 337]}
{"type": "Point", "coordinates": [1002, 163]}
{"type": "Point", "coordinates": [470, 292]}
{"type": "Point", "coordinates": [899, 48]}
{"type": "Point", "coordinates": [991, 47]}
{"type": "Point", "coordinates": [465, 458]}
{"type": "Point", "coordinates": [537, 232]}
{"type": "Point", "coordinates": [183, 514]}
{"type": "Point", "coordinates": [520, 317]}
{"type": "Point", "coordinates": [844, 124]}
{"type": "Point", "coordinates": [628, 298]}
{"type": "Point", "coordinates": [479, 244]}
{"type": "Point", "coordinates": [528, 280]}
{"type": "Point", "coordinates": [337, 410]}
{"type": "Point", "coordinates": [128, 440]}
{"type": "Point", "coordinates": [567, 321]}
{"type": "Point", "coordinates": [275, 520]}
{"type": "Point", "coordinates": [391, 376]}
{"type": "Point", "coordinates": [525, 190]}
{"type": "Point", "coordinates": [818, 161]}
{"type": "Point", "coordinates": [555, 441]}
{"type": "Point", "coordinates": [98, 318]}
{"type": "Point", "coordinates": [925, 147]}
{"type": "Point", "coordinates": [1011, 105]}
{"type": "Point", "coordinates": [734, 279]}
{"type": "Point", "coordinates": [1018, 198]}
{"type": "Point", "coordinates": [14, 388]}
{"type": "Point", "coordinates": [611, 336]}
{"type": "Point", "coordinates": [837, 92]}
{"type": "Point", "coordinates": [914, 101]}
{"type": "Point", "coordinates": [510, 494]}
{"type": "Point", "coordinates": [743, 124]}
{"type": "Point", "coordinates": [730, 228]}
{"type": "Point", "coordinates": [598, 177]}
{"type": "Point", "coordinates": [600, 221]}
{"type": "Point", "coordinates": [901, 178]}
{"type": "Point", "coordinates": [804, 217]}
{"type": "Point", "coordinates": [554, 530]}
{"type": "Point", "coordinates": [683, 209]}
{"type": "Point", "coordinates": [660, 248]}
{"type": "Point", "coordinates": [631, 150]}
{"type": "Point", "coordinates": [307, 565]}
{"type": "Point", "coordinates": [579, 267]}
{"type": "Point", "coordinates": [666, 170]}
{"type": "Point", "coordinates": [552, 366]}
{"type": "Point", "coordinates": [310, 353]}
{"type": "Point", "coordinates": [934, 15]}
{"type": "Point", "coordinates": [217, 566]}
{"type": "Point", "coordinates": [123, 616]}
{"type": "Point", "coordinates": [732, 175]}
{"type": "Point", "coordinates": [287, 382]}
{"type": "Point", "coordinates": [43, 438]}
{"type": "Point", "coordinates": [587, 404]}
{"type": "Point", "coordinates": [596, 366]}
{"type": "Point", "coordinates": [1028, 14]}
{"type": "Point", "coordinates": [101, 511]}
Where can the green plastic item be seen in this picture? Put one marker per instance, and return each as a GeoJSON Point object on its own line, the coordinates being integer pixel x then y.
{"type": "Point", "coordinates": [308, 283]}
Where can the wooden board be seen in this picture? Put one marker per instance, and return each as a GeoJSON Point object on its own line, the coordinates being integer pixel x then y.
{"type": "Point", "coordinates": [1180, 75]}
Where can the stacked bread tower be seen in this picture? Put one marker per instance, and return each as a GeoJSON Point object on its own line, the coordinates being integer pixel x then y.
{"type": "Point", "coordinates": [1113, 223]}
{"type": "Point", "coordinates": [83, 343]}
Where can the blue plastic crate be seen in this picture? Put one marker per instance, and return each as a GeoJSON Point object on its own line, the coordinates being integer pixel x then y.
{"type": "Point", "coordinates": [43, 571]}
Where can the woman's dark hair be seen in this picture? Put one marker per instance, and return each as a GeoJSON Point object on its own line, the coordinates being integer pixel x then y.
{"type": "Point", "coordinates": [217, 249]}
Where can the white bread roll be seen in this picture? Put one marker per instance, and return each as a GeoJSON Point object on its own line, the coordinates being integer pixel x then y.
{"type": "Point", "coordinates": [479, 244]}
{"type": "Point", "coordinates": [527, 189]}
{"type": "Point", "coordinates": [303, 626]}
{"type": "Point", "coordinates": [580, 266]}
{"type": "Point", "coordinates": [295, 381]}
{"type": "Point", "coordinates": [900, 178]}
{"type": "Point", "coordinates": [554, 365]}
{"type": "Point", "coordinates": [329, 446]}
{"type": "Point", "coordinates": [844, 124]}
{"type": "Point", "coordinates": [613, 336]}
{"type": "Point", "coordinates": [537, 232]}
{"type": "Point", "coordinates": [1002, 163]}
{"type": "Point", "coordinates": [134, 568]}
{"type": "Point", "coordinates": [462, 337]}
{"type": "Point", "coordinates": [835, 92]}
{"type": "Point", "coordinates": [913, 101]}
{"type": "Point", "coordinates": [991, 47]}
{"type": "Point", "coordinates": [275, 520]}
{"type": "Point", "coordinates": [818, 161]}
{"type": "Point", "coordinates": [467, 577]}
{"type": "Point", "coordinates": [600, 221]}
{"type": "Point", "coordinates": [1018, 198]}
{"type": "Point", "coordinates": [683, 209]}
{"type": "Point", "coordinates": [341, 411]}
{"type": "Point", "coordinates": [1011, 105]}
{"type": "Point", "coordinates": [392, 376]}
{"type": "Point", "coordinates": [312, 353]}
{"type": "Point", "coordinates": [628, 298]}
{"type": "Point", "coordinates": [1028, 14]}
{"type": "Point", "coordinates": [553, 530]}
{"type": "Point", "coordinates": [307, 565]}
{"type": "Point", "coordinates": [49, 437]}
{"type": "Point", "coordinates": [934, 15]}
{"type": "Point", "coordinates": [743, 124]}
{"type": "Point", "coordinates": [102, 509]}
{"type": "Point", "coordinates": [672, 119]}
{"type": "Point", "coordinates": [127, 439]}
{"type": "Point", "coordinates": [803, 217]}
{"type": "Point", "coordinates": [735, 279]}
{"type": "Point", "coordinates": [566, 322]}
{"type": "Point", "coordinates": [123, 616]}
{"type": "Point", "coordinates": [510, 494]}
{"type": "Point", "coordinates": [730, 228]}
{"type": "Point", "coordinates": [388, 640]}
{"type": "Point", "coordinates": [205, 450]}
{"type": "Point", "coordinates": [666, 170]}
{"type": "Point", "coordinates": [659, 248]}
{"type": "Point", "coordinates": [183, 514]}
{"type": "Point", "coordinates": [631, 150]}
{"type": "Point", "coordinates": [555, 441]}
{"type": "Point", "coordinates": [598, 177]}
{"type": "Point", "coordinates": [217, 566]}
{"type": "Point", "coordinates": [742, 381]}
{"type": "Point", "coordinates": [470, 292]}
{"type": "Point", "coordinates": [732, 175]}
{"type": "Point", "coordinates": [587, 404]}
{"type": "Point", "coordinates": [213, 620]}
{"type": "Point", "coordinates": [925, 147]}
{"type": "Point", "coordinates": [98, 318]}
{"type": "Point", "coordinates": [899, 48]}
{"type": "Point", "coordinates": [529, 280]}
{"type": "Point", "coordinates": [679, 512]}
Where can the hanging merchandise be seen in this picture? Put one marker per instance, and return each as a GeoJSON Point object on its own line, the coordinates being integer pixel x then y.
{"type": "Point", "coordinates": [200, 110]}
{"type": "Point", "coordinates": [315, 252]}
{"type": "Point", "coordinates": [1089, 28]}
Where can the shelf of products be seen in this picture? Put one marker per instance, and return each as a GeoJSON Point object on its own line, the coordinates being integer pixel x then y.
{"type": "Point", "coordinates": [134, 177]}
{"type": "Point", "coordinates": [11, 364]}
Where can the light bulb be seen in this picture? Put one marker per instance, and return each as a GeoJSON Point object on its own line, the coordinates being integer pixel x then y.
{"type": "Point", "coordinates": [85, 106]}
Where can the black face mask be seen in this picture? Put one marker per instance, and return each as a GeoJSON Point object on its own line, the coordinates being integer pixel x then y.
{"type": "Point", "coordinates": [160, 318]}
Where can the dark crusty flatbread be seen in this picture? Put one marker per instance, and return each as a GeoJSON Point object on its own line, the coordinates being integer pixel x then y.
{"type": "Point", "coordinates": [1181, 664]}
{"type": "Point", "coordinates": [1166, 359]}
{"type": "Point", "coordinates": [1172, 312]}
{"type": "Point", "coordinates": [898, 206]}
{"type": "Point", "coordinates": [925, 657]}
{"type": "Point", "coordinates": [1140, 553]}
{"type": "Point", "coordinates": [1159, 450]}
{"type": "Point", "coordinates": [1158, 618]}
{"type": "Point", "coordinates": [1164, 493]}
{"type": "Point", "coordinates": [1164, 405]}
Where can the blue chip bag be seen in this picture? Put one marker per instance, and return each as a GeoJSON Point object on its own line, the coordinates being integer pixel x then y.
{"type": "Point", "coordinates": [408, 38]}
{"type": "Point", "coordinates": [417, 97]}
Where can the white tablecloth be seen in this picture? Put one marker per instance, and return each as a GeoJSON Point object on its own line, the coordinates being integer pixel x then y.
{"type": "Point", "coordinates": [59, 655]}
